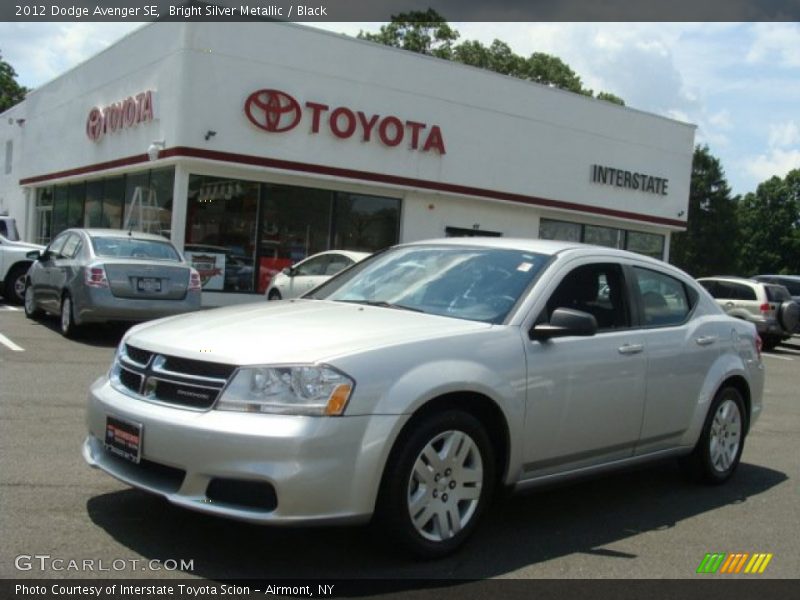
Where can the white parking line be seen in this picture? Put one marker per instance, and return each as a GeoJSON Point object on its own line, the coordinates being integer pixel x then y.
{"type": "Point", "coordinates": [9, 344]}
{"type": "Point", "coordinates": [778, 357]}
{"type": "Point", "coordinates": [7, 307]}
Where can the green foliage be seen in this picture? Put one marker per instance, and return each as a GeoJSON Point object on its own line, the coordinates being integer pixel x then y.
{"type": "Point", "coordinates": [768, 221]}
{"type": "Point", "coordinates": [11, 92]}
{"type": "Point", "coordinates": [428, 33]}
{"type": "Point", "coordinates": [709, 245]}
{"type": "Point", "coordinates": [425, 32]}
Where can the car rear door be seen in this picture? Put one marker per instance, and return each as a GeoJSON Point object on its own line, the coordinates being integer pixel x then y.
{"type": "Point", "coordinates": [681, 349]}
{"type": "Point", "coordinates": [585, 395]}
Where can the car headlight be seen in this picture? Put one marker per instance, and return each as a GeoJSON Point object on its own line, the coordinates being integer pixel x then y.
{"type": "Point", "coordinates": [297, 390]}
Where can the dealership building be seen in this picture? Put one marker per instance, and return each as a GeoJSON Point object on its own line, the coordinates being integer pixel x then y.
{"type": "Point", "coordinates": [252, 145]}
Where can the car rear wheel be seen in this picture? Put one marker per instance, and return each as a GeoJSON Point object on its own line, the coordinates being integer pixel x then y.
{"type": "Point", "coordinates": [719, 449]}
{"type": "Point", "coordinates": [31, 310]}
{"type": "Point", "coordinates": [68, 326]}
{"type": "Point", "coordinates": [14, 291]}
{"type": "Point", "coordinates": [437, 484]}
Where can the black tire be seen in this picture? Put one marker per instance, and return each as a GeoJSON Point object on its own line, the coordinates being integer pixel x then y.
{"type": "Point", "coordinates": [14, 286]}
{"type": "Point", "coordinates": [464, 500]}
{"type": "Point", "coordinates": [706, 463]}
{"type": "Point", "coordinates": [274, 295]}
{"type": "Point", "coordinates": [31, 310]}
{"type": "Point", "coordinates": [67, 317]}
{"type": "Point", "coordinates": [770, 343]}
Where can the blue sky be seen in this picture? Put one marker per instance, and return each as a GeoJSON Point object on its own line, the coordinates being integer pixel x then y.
{"type": "Point", "coordinates": [739, 83]}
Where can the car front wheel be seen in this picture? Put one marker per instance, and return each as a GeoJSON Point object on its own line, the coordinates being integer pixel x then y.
{"type": "Point", "coordinates": [720, 446]}
{"type": "Point", "coordinates": [437, 484]}
{"type": "Point", "coordinates": [31, 310]}
{"type": "Point", "coordinates": [274, 295]}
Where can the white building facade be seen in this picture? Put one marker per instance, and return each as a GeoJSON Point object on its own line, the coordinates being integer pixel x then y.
{"type": "Point", "coordinates": [253, 145]}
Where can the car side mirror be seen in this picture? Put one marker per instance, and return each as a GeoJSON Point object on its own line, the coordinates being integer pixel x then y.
{"type": "Point", "coordinates": [565, 322]}
{"type": "Point", "coordinates": [288, 271]}
{"type": "Point", "coordinates": [34, 255]}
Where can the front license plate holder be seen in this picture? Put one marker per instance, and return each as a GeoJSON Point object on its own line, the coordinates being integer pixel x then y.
{"type": "Point", "coordinates": [148, 284]}
{"type": "Point", "coordinates": [124, 439]}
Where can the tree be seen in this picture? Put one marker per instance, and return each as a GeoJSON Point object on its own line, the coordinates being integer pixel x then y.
{"type": "Point", "coordinates": [768, 220]}
{"type": "Point", "coordinates": [708, 246]}
{"type": "Point", "coordinates": [425, 32]}
{"type": "Point", "coordinates": [429, 33]}
{"type": "Point", "coordinates": [11, 92]}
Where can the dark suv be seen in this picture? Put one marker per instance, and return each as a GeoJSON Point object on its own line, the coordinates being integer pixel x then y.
{"type": "Point", "coordinates": [769, 306]}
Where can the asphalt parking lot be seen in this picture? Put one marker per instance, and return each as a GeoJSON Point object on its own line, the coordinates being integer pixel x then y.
{"type": "Point", "coordinates": [648, 523]}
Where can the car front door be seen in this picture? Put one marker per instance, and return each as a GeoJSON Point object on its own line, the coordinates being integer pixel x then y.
{"type": "Point", "coordinates": [585, 395]}
{"type": "Point", "coordinates": [43, 278]}
{"type": "Point", "coordinates": [64, 266]}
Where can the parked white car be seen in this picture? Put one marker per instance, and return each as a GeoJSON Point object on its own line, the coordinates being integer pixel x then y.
{"type": "Point", "coordinates": [310, 272]}
{"type": "Point", "coordinates": [416, 383]}
{"type": "Point", "coordinates": [14, 261]}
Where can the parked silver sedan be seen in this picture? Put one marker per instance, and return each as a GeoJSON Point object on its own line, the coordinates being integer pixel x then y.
{"type": "Point", "coordinates": [101, 275]}
{"type": "Point", "coordinates": [414, 384]}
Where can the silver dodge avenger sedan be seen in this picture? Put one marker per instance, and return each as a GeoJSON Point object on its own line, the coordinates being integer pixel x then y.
{"type": "Point", "coordinates": [416, 383]}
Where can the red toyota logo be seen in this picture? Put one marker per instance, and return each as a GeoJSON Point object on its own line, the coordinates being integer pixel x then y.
{"type": "Point", "coordinates": [272, 110]}
{"type": "Point", "coordinates": [94, 124]}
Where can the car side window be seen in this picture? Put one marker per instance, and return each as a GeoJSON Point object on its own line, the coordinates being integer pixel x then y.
{"type": "Point", "coordinates": [597, 289]}
{"type": "Point", "coordinates": [664, 299]}
{"type": "Point", "coordinates": [57, 244]}
{"type": "Point", "coordinates": [315, 266]}
{"type": "Point", "coordinates": [337, 263]}
{"type": "Point", "coordinates": [71, 246]}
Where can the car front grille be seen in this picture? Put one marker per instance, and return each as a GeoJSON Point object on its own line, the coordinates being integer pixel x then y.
{"type": "Point", "coordinates": [170, 379]}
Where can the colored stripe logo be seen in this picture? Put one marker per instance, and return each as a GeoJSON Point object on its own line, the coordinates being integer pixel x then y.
{"type": "Point", "coordinates": [737, 562]}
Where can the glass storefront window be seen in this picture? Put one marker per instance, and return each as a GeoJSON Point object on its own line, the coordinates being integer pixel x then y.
{"type": "Point", "coordinates": [650, 244]}
{"type": "Point", "coordinates": [113, 202]}
{"type": "Point", "coordinates": [559, 230]}
{"type": "Point", "coordinates": [365, 223]}
{"type": "Point", "coordinates": [44, 215]}
{"type": "Point", "coordinates": [60, 209]}
{"type": "Point", "coordinates": [77, 195]}
{"type": "Point", "coordinates": [221, 232]}
{"type": "Point", "coordinates": [162, 183]}
{"type": "Point", "coordinates": [604, 236]}
{"type": "Point", "coordinates": [93, 209]}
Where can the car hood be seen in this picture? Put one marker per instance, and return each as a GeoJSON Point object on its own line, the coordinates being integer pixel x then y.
{"type": "Point", "coordinates": [296, 331]}
{"type": "Point", "coordinates": [21, 245]}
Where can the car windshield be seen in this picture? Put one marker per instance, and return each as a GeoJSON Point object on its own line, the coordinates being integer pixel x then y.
{"type": "Point", "coordinates": [8, 229]}
{"type": "Point", "coordinates": [124, 247]}
{"type": "Point", "coordinates": [475, 283]}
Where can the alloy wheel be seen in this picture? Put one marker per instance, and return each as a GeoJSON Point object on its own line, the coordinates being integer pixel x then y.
{"type": "Point", "coordinates": [445, 486]}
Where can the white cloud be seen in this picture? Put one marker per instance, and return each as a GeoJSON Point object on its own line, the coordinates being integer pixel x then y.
{"type": "Point", "coordinates": [776, 162]}
{"type": "Point", "coordinates": [786, 134]}
{"type": "Point", "coordinates": [775, 43]}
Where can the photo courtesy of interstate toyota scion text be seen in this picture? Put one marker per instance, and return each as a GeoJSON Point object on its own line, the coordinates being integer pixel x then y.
{"type": "Point", "coordinates": [416, 384]}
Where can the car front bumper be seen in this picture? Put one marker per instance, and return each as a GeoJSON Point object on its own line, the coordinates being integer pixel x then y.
{"type": "Point", "coordinates": [321, 469]}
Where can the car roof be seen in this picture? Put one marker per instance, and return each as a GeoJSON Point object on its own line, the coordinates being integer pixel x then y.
{"type": "Point", "coordinates": [137, 235]}
{"type": "Point", "coordinates": [789, 277]}
{"type": "Point", "coordinates": [547, 247]}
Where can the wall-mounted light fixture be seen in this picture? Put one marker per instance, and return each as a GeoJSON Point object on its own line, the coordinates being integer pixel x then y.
{"type": "Point", "coordinates": [154, 149]}
{"type": "Point", "coordinates": [210, 134]}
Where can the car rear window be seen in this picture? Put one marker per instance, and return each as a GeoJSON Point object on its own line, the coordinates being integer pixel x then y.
{"type": "Point", "coordinates": [122, 247]}
{"type": "Point", "coordinates": [777, 293]}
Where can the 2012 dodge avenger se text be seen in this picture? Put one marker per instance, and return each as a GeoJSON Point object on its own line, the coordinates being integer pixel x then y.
{"type": "Point", "coordinates": [414, 384]}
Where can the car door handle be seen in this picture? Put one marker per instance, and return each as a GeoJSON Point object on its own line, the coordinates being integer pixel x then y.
{"type": "Point", "coordinates": [706, 340]}
{"type": "Point", "coordinates": [630, 348]}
